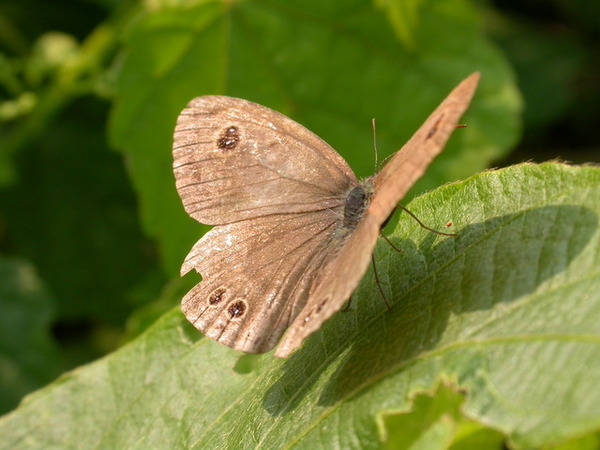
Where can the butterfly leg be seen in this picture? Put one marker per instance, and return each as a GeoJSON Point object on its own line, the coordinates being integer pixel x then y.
{"type": "Point", "coordinates": [425, 226]}
{"type": "Point", "coordinates": [379, 284]}
{"type": "Point", "coordinates": [389, 242]}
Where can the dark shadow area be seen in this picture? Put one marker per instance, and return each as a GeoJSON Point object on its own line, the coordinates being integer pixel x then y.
{"type": "Point", "coordinates": [428, 283]}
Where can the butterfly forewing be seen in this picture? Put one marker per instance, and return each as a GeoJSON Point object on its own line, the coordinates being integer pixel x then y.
{"type": "Point", "coordinates": [344, 272]}
{"type": "Point", "coordinates": [411, 161]}
{"type": "Point", "coordinates": [234, 160]}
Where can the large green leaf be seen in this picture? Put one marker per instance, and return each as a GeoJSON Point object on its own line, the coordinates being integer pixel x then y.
{"type": "Point", "coordinates": [332, 66]}
{"type": "Point", "coordinates": [508, 313]}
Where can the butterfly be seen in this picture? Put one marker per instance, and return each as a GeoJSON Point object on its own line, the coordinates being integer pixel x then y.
{"type": "Point", "coordinates": [294, 228]}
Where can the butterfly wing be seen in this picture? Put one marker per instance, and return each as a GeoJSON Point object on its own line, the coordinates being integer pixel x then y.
{"type": "Point", "coordinates": [235, 160]}
{"type": "Point", "coordinates": [256, 276]}
{"type": "Point", "coordinates": [276, 192]}
{"type": "Point", "coordinates": [344, 272]}
{"type": "Point", "coordinates": [411, 161]}
{"type": "Point", "coordinates": [334, 285]}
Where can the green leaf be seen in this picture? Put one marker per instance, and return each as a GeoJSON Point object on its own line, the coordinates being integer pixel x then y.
{"type": "Point", "coordinates": [562, 56]}
{"type": "Point", "coordinates": [436, 422]}
{"type": "Point", "coordinates": [28, 354]}
{"type": "Point", "coordinates": [332, 66]}
{"type": "Point", "coordinates": [588, 442]}
{"type": "Point", "coordinates": [508, 314]}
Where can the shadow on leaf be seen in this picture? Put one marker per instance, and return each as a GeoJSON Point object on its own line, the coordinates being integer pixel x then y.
{"type": "Point", "coordinates": [493, 263]}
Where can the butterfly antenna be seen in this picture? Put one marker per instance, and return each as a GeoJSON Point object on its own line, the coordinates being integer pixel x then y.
{"type": "Point", "coordinates": [375, 143]}
{"type": "Point", "coordinates": [425, 226]}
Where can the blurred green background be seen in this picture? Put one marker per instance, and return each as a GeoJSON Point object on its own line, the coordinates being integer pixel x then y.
{"type": "Point", "coordinates": [91, 231]}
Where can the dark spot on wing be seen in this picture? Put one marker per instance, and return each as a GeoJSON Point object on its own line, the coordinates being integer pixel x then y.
{"type": "Point", "coordinates": [236, 309]}
{"type": "Point", "coordinates": [434, 128]}
{"type": "Point", "coordinates": [216, 296]}
{"type": "Point", "coordinates": [309, 314]}
{"type": "Point", "coordinates": [229, 138]}
{"type": "Point", "coordinates": [320, 307]}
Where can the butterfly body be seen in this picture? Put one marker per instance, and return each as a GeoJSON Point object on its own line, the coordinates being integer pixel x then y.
{"type": "Point", "coordinates": [295, 229]}
{"type": "Point", "coordinates": [356, 203]}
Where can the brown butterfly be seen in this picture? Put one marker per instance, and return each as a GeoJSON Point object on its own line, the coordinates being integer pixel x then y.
{"type": "Point", "coordinates": [295, 229]}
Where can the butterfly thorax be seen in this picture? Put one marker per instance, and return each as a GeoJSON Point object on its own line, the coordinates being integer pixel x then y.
{"type": "Point", "coordinates": [357, 201]}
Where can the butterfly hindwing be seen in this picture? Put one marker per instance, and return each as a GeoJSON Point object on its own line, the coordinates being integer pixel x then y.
{"type": "Point", "coordinates": [256, 276]}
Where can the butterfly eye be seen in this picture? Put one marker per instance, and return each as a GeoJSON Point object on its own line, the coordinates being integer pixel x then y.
{"type": "Point", "coordinates": [229, 138]}
{"type": "Point", "coordinates": [236, 309]}
{"type": "Point", "coordinates": [216, 296]}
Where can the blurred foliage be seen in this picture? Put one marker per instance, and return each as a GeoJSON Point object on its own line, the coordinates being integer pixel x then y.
{"type": "Point", "coordinates": [29, 356]}
{"type": "Point", "coordinates": [554, 47]}
{"type": "Point", "coordinates": [105, 231]}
